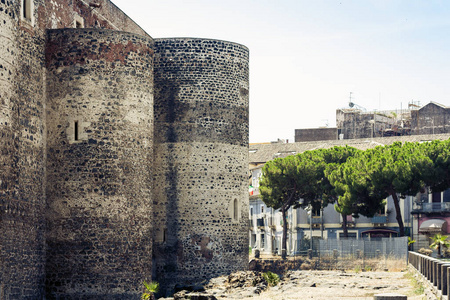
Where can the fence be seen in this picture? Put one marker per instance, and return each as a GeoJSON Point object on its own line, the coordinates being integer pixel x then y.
{"type": "Point", "coordinates": [391, 247]}
{"type": "Point", "coordinates": [384, 253]}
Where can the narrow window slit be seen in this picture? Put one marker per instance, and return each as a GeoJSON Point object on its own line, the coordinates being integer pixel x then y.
{"type": "Point", "coordinates": [235, 210]}
{"type": "Point", "coordinates": [76, 130]}
{"type": "Point", "coordinates": [26, 6]}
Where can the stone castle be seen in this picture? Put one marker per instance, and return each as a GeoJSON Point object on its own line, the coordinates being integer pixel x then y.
{"type": "Point", "coordinates": [123, 158]}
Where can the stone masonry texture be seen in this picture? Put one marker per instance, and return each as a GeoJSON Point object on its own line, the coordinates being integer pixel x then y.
{"type": "Point", "coordinates": [201, 134]}
{"type": "Point", "coordinates": [122, 158]}
{"type": "Point", "coordinates": [98, 175]}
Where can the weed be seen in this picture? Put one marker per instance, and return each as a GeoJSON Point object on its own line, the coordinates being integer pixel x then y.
{"type": "Point", "coordinates": [417, 285]}
{"type": "Point", "coordinates": [152, 288]}
{"type": "Point", "coordinates": [271, 278]}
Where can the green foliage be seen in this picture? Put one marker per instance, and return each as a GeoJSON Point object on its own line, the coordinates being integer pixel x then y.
{"type": "Point", "coordinates": [439, 241]}
{"type": "Point", "coordinates": [410, 241]}
{"type": "Point", "coordinates": [286, 180]}
{"type": "Point", "coordinates": [418, 286]}
{"type": "Point", "coordinates": [152, 288]}
{"type": "Point", "coordinates": [272, 279]}
{"type": "Point", "coordinates": [437, 177]}
{"type": "Point", "coordinates": [358, 182]}
{"type": "Point", "coordinates": [365, 180]}
{"type": "Point", "coordinates": [356, 195]}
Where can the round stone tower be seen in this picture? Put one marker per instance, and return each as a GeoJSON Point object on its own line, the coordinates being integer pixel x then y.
{"type": "Point", "coordinates": [22, 161]}
{"type": "Point", "coordinates": [201, 157]}
{"type": "Point", "coordinates": [99, 149]}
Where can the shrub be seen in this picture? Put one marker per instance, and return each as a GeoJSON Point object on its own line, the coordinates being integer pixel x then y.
{"type": "Point", "coordinates": [271, 278]}
{"type": "Point", "coordinates": [152, 288]}
{"type": "Point", "coordinates": [425, 251]}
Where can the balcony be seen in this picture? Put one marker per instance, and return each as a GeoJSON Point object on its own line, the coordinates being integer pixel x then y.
{"type": "Point", "coordinates": [379, 220]}
{"type": "Point", "coordinates": [314, 220]}
{"type": "Point", "coordinates": [431, 207]}
{"type": "Point", "coordinates": [270, 222]}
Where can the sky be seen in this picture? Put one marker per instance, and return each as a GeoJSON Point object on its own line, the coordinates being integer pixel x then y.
{"type": "Point", "coordinates": [306, 57]}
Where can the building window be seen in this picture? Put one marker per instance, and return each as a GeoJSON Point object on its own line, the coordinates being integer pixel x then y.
{"type": "Point", "coordinates": [262, 209]}
{"type": "Point", "coordinates": [263, 244]}
{"type": "Point", "coordinates": [436, 197]}
{"type": "Point", "coordinates": [315, 212]}
{"type": "Point", "coordinates": [351, 236]}
{"type": "Point", "coordinates": [253, 241]}
{"type": "Point", "coordinates": [447, 195]}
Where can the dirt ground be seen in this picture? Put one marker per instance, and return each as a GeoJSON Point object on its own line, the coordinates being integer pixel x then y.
{"type": "Point", "coordinates": [341, 285]}
{"type": "Point", "coordinates": [314, 284]}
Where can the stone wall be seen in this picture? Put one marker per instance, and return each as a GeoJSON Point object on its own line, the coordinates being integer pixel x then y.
{"type": "Point", "coordinates": [99, 145]}
{"type": "Point", "coordinates": [77, 154]}
{"type": "Point", "coordinates": [23, 132]}
{"type": "Point", "coordinates": [22, 175]}
{"type": "Point", "coordinates": [353, 124]}
{"type": "Point", "coordinates": [431, 119]}
{"type": "Point", "coordinates": [315, 134]}
{"type": "Point", "coordinates": [89, 14]}
{"type": "Point", "coordinates": [201, 149]}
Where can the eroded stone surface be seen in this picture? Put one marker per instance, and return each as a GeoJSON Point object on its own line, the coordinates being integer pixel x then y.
{"type": "Point", "coordinates": [201, 134]}
{"type": "Point", "coordinates": [82, 153]}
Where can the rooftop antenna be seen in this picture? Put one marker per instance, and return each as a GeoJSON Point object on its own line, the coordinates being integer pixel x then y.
{"type": "Point", "coordinates": [350, 103]}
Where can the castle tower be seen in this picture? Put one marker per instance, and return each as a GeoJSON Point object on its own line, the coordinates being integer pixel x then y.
{"type": "Point", "coordinates": [22, 144]}
{"type": "Point", "coordinates": [99, 162]}
{"type": "Point", "coordinates": [201, 151]}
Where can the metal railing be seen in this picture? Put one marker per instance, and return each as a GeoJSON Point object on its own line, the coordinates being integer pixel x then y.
{"type": "Point", "coordinates": [314, 220]}
{"type": "Point", "coordinates": [431, 207]}
{"type": "Point", "coordinates": [379, 219]}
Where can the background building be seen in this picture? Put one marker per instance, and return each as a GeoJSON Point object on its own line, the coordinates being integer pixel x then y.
{"type": "Point", "coordinates": [265, 227]}
{"type": "Point", "coordinates": [357, 123]}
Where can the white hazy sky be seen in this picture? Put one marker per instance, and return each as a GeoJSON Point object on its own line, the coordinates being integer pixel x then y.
{"type": "Point", "coordinates": [307, 56]}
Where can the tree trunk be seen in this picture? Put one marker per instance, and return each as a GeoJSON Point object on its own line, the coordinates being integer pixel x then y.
{"type": "Point", "coordinates": [344, 225]}
{"type": "Point", "coordinates": [284, 238]}
{"type": "Point", "coordinates": [398, 213]}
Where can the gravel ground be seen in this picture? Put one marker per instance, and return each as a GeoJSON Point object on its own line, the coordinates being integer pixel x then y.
{"type": "Point", "coordinates": [310, 285]}
{"type": "Point", "coordinates": [340, 285]}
